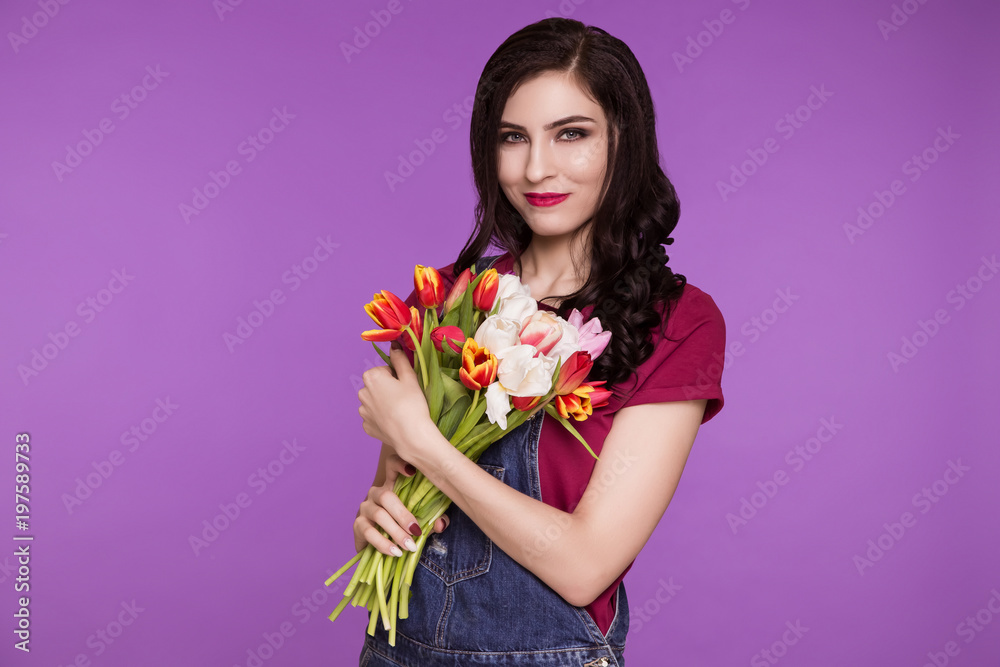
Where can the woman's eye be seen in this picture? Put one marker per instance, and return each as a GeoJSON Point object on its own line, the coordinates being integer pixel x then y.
{"type": "Point", "coordinates": [579, 134]}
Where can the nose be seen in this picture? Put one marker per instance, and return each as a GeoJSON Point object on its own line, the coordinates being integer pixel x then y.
{"type": "Point", "coordinates": [541, 163]}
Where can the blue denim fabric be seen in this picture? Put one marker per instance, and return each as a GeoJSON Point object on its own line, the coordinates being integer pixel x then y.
{"type": "Point", "coordinates": [472, 604]}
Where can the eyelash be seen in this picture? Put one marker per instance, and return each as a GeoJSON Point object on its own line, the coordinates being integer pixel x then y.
{"type": "Point", "coordinates": [583, 134]}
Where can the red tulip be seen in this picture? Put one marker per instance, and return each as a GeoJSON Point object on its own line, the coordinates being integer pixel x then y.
{"type": "Point", "coordinates": [458, 289]}
{"type": "Point", "coordinates": [390, 313]}
{"type": "Point", "coordinates": [573, 372]}
{"type": "Point", "coordinates": [417, 325]}
{"type": "Point", "coordinates": [525, 403]}
{"type": "Point", "coordinates": [454, 336]}
{"type": "Point", "coordinates": [429, 286]}
{"type": "Point", "coordinates": [479, 366]}
{"type": "Point", "coordinates": [485, 293]}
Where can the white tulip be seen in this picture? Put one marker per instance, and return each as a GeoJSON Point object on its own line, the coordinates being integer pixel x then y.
{"type": "Point", "coordinates": [524, 372]}
{"type": "Point", "coordinates": [497, 334]}
{"type": "Point", "coordinates": [517, 307]}
{"type": "Point", "coordinates": [497, 404]}
{"type": "Point", "coordinates": [510, 285]}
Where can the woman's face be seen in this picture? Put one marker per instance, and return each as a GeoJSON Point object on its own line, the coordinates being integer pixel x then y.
{"type": "Point", "coordinates": [553, 140]}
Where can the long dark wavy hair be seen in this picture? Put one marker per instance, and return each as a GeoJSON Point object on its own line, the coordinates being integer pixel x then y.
{"type": "Point", "coordinates": [637, 210]}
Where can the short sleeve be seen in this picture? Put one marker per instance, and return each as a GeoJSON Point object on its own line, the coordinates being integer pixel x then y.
{"type": "Point", "coordinates": [690, 366]}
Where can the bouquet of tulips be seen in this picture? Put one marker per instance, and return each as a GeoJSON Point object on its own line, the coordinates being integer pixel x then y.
{"type": "Point", "coordinates": [490, 337]}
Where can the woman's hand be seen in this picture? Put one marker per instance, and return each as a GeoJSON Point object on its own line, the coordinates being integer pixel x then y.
{"type": "Point", "coordinates": [383, 508]}
{"type": "Point", "coordinates": [392, 403]}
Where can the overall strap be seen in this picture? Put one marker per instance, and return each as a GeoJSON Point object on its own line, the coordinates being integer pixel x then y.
{"type": "Point", "coordinates": [484, 263]}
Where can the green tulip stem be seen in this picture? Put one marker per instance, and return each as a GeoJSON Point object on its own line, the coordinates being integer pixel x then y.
{"type": "Point", "coordinates": [419, 353]}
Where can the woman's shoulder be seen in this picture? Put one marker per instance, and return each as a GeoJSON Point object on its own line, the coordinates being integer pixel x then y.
{"type": "Point", "coordinates": [693, 308]}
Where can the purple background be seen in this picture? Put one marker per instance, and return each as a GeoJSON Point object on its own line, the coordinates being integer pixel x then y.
{"type": "Point", "coordinates": [296, 378]}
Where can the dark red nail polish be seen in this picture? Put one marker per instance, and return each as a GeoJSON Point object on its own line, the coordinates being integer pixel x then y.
{"type": "Point", "coordinates": [415, 530]}
{"type": "Point", "coordinates": [410, 470]}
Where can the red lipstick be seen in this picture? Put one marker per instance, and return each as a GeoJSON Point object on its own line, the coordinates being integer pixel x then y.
{"type": "Point", "coordinates": [545, 198]}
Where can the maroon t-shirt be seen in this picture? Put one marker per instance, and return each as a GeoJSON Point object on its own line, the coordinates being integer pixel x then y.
{"type": "Point", "coordinates": [687, 368]}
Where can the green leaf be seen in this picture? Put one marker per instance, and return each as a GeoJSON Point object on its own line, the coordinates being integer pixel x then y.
{"type": "Point", "coordinates": [470, 420]}
{"type": "Point", "coordinates": [434, 391]}
{"type": "Point", "coordinates": [450, 419]}
{"type": "Point", "coordinates": [466, 308]}
{"type": "Point", "coordinates": [453, 389]}
{"type": "Point", "coordinates": [385, 357]}
{"type": "Point", "coordinates": [549, 408]}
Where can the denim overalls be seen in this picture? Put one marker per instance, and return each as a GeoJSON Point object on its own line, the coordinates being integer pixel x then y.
{"type": "Point", "coordinates": [472, 604]}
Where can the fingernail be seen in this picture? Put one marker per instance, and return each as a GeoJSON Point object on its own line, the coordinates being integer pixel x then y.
{"type": "Point", "coordinates": [410, 470]}
{"type": "Point", "coordinates": [410, 544]}
{"type": "Point", "coordinates": [396, 551]}
{"type": "Point", "coordinates": [415, 529]}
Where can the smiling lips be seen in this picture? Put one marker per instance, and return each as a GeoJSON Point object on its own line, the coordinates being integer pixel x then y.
{"type": "Point", "coordinates": [545, 198]}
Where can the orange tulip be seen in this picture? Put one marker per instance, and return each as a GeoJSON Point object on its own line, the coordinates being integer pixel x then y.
{"type": "Point", "coordinates": [454, 336]}
{"type": "Point", "coordinates": [429, 286]}
{"type": "Point", "coordinates": [479, 366]}
{"type": "Point", "coordinates": [458, 289]}
{"type": "Point", "coordinates": [581, 402]}
{"type": "Point", "coordinates": [390, 313]}
{"type": "Point", "coordinates": [485, 293]}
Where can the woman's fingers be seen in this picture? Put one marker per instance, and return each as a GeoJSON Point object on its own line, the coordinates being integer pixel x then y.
{"type": "Point", "coordinates": [396, 463]}
{"type": "Point", "coordinates": [441, 523]}
{"type": "Point", "coordinates": [389, 512]}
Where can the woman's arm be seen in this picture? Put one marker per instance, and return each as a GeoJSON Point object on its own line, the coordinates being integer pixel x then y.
{"type": "Point", "coordinates": [577, 554]}
{"type": "Point", "coordinates": [386, 452]}
{"type": "Point", "coordinates": [396, 519]}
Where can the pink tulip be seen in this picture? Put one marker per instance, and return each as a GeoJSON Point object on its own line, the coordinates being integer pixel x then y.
{"type": "Point", "coordinates": [593, 338]}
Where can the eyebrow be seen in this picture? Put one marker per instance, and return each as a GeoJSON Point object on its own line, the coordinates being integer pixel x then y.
{"type": "Point", "coordinates": [562, 121]}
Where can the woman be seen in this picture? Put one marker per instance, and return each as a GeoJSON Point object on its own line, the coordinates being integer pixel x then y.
{"type": "Point", "coordinates": [528, 563]}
